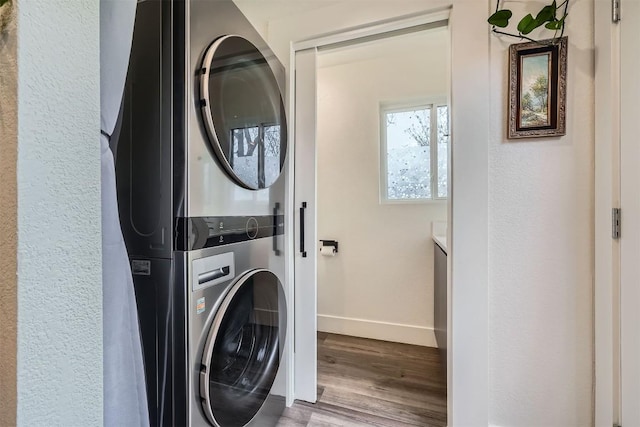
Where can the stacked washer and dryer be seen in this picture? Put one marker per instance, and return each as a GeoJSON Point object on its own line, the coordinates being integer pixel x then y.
{"type": "Point", "coordinates": [200, 162]}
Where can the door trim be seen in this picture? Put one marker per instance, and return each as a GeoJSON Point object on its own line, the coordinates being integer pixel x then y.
{"type": "Point", "coordinates": [629, 277]}
{"type": "Point", "coordinates": [606, 374]}
{"type": "Point", "coordinates": [374, 29]}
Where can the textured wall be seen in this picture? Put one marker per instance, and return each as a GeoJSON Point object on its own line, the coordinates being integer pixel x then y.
{"type": "Point", "coordinates": [541, 249]}
{"type": "Point", "coordinates": [59, 255]}
{"type": "Point", "coordinates": [386, 251]}
{"type": "Point", "coordinates": [8, 227]}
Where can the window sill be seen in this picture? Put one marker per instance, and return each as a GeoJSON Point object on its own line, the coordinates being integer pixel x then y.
{"type": "Point", "coordinates": [414, 202]}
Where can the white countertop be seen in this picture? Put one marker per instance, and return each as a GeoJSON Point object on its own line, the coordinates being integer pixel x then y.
{"type": "Point", "coordinates": [440, 241]}
{"type": "Point", "coordinates": [439, 234]}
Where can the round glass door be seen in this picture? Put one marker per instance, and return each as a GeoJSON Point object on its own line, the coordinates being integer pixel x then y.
{"type": "Point", "coordinates": [243, 112]}
{"type": "Point", "coordinates": [242, 353]}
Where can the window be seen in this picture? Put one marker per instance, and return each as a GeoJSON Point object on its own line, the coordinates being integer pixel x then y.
{"type": "Point", "coordinates": [414, 152]}
{"type": "Point", "coordinates": [259, 168]}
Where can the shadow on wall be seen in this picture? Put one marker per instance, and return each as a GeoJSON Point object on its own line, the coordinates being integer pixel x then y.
{"type": "Point", "coordinates": [8, 212]}
{"type": "Point", "coordinates": [6, 15]}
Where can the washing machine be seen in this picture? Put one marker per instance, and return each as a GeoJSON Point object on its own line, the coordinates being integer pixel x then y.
{"type": "Point", "coordinates": [200, 151]}
{"type": "Point", "coordinates": [237, 328]}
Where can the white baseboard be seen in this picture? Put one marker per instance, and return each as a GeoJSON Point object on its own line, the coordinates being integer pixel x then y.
{"type": "Point", "coordinates": [395, 332]}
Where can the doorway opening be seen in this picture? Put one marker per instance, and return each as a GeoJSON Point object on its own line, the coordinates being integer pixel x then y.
{"type": "Point", "coordinates": [371, 187]}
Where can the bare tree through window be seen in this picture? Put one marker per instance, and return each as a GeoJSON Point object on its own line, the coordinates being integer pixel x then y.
{"type": "Point", "coordinates": [414, 169]}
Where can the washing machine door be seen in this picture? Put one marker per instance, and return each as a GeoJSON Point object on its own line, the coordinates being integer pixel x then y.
{"type": "Point", "coordinates": [243, 112]}
{"type": "Point", "coordinates": [242, 354]}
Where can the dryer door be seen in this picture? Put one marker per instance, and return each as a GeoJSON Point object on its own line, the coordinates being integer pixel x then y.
{"type": "Point", "coordinates": [243, 112]}
{"type": "Point", "coordinates": [243, 349]}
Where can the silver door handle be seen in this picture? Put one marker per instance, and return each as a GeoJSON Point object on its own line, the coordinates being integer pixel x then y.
{"type": "Point", "coordinates": [213, 275]}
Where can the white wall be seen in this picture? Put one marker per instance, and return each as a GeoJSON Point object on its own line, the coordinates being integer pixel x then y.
{"type": "Point", "coordinates": [467, 343]}
{"type": "Point", "coordinates": [380, 285]}
{"type": "Point", "coordinates": [59, 236]}
{"type": "Point", "coordinates": [541, 250]}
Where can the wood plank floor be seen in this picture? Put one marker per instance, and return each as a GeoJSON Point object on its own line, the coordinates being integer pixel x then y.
{"type": "Point", "coordinates": [364, 382]}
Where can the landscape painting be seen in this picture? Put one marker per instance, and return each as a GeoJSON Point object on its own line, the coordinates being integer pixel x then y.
{"type": "Point", "coordinates": [534, 92]}
{"type": "Point", "coordinates": [537, 88]}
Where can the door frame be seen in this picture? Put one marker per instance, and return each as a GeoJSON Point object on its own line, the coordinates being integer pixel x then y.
{"type": "Point", "coordinates": [606, 376]}
{"type": "Point", "coordinates": [626, 352]}
{"type": "Point", "coordinates": [467, 332]}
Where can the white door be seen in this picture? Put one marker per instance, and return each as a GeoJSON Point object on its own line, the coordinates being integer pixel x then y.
{"type": "Point", "coordinates": [305, 347]}
{"type": "Point", "coordinates": [630, 205]}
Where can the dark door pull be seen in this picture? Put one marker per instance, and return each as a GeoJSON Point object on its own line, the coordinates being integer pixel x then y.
{"type": "Point", "coordinates": [302, 251]}
{"type": "Point", "coordinates": [275, 229]}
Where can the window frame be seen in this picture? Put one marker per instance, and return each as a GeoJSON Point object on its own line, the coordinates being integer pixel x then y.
{"type": "Point", "coordinates": [400, 107]}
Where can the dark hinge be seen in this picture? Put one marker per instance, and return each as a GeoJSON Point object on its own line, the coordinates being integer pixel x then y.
{"type": "Point", "coordinates": [615, 11]}
{"type": "Point", "coordinates": [615, 223]}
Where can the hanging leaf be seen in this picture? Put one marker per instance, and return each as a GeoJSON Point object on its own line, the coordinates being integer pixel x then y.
{"type": "Point", "coordinates": [555, 25]}
{"type": "Point", "coordinates": [527, 24]}
{"type": "Point", "coordinates": [552, 17]}
{"type": "Point", "coordinates": [548, 13]}
{"type": "Point", "coordinates": [499, 19]}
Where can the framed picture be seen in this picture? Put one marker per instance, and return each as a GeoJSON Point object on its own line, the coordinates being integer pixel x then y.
{"type": "Point", "coordinates": [537, 89]}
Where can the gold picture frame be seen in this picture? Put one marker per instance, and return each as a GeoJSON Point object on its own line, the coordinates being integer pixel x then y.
{"type": "Point", "coordinates": [537, 89]}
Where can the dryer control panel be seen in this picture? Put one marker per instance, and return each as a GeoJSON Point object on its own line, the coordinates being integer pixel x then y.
{"type": "Point", "coordinates": [208, 232]}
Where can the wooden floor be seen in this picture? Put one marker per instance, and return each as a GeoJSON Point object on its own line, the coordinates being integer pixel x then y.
{"type": "Point", "coordinates": [364, 382]}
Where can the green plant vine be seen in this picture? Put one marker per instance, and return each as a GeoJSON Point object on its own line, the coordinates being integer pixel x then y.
{"type": "Point", "coordinates": [552, 16]}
